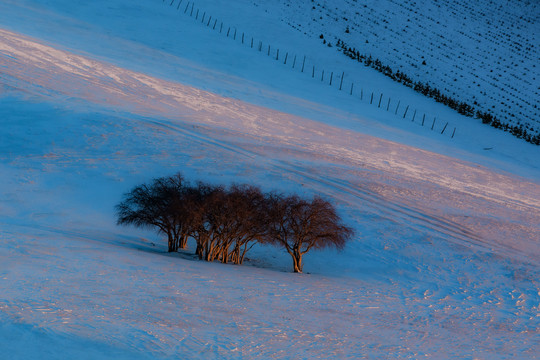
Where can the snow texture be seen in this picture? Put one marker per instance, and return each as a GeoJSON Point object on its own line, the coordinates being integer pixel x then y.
{"type": "Point", "coordinates": [98, 97]}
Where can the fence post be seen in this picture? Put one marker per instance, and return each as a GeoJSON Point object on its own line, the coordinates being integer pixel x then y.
{"type": "Point", "coordinates": [277, 54]}
{"type": "Point", "coordinates": [371, 101]}
{"type": "Point", "coordinates": [453, 133]}
{"type": "Point", "coordinates": [179, 3]}
{"type": "Point", "coordinates": [286, 55]}
{"type": "Point", "coordinates": [303, 63]}
{"type": "Point", "coordinates": [268, 50]}
{"type": "Point", "coordinates": [414, 115]}
{"type": "Point", "coordinates": [215, 23]}
{"type": "Point", "coordinates": [405, 113]}
{"type": "Point", "coordinates": [313, 72]}
{"type": "Point", "coordinates": [208, 23]}
{"type": "Point", "coordinates": [361, 94]}
{"type": "Point", "coordinates": [423, 119]}
{"type": "Point", "coordinates": [234, 37]}
{"type": "Point", "coordinates": [444, 128]}
{"type": "Point", "coordinates": [352, 85]}
{"type": "Point", "coordinates": [397, 107]}
{"type": "Point", "coordinates": [322, 76]}
{"type": "Point", "coordinates": [388, 105]}
{"type": "Point", "coordinates": [221, 27]}
{"type": "Point", "coordinates": [187, 7]}
{"type": "Point", "coordinates": [294, 62]}
{"type": "Point", "coordinates": [203, 15]}
{"type": "Point", "coordinates": [331, 76]}
{"type": "Point", "coordinates": [242, 38]}
{"type": "Point", "coordinates": [379, 106]}
{"type": "Point", "coordinates": [192, 5]}
{"type": "Point", "coordinates": [432, 125]}
{"type": "Point", "coordinates": [341, 82]}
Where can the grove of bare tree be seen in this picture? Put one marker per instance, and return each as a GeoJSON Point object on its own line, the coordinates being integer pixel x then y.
{"type": "Point", "coordinates": [226, 222]}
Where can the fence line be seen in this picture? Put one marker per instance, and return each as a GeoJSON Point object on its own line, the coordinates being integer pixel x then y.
{"type": "Point", "coordinates": [190, 5]}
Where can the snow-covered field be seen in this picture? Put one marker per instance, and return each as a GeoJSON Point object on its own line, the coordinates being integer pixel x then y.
{"type": "Point", "coordinates": [99, 97]}
{"type": "Point", "coordinates": [483, 52]}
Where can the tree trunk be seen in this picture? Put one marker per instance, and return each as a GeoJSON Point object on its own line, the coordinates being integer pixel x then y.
{"type": "Point", "coordinates": [183, 242]}
{"type": "Point", "coordinates": [211, 252]}
{"type": "Point", "coordinates": [199, 251]}
{"type": "Point", "coordinates": [233, 256]}
{"type": "Point", "coordinates": [297, 262]}
{"type": "Point", "coordinates": [170, 242]}
{"type": "Point", "coordinates": [242, 253]}
{"type": "Point", "coordinates": [224, 256]}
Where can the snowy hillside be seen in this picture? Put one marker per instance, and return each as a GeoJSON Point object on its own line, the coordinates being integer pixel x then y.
{"type": "Point", "coordinates": [98, 97]}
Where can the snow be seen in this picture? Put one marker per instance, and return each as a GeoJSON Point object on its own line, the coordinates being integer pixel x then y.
{"type": "Point", "coordinates": [479, 51]}
{"type": "Point", "coordinates": [99, 97]}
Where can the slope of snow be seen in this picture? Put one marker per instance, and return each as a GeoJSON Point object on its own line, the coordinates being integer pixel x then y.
{"type": "Point", "coordinates": [445, 263]}
{"type": "Point", "coordinates": [179, 48]}
{"type": "Point", "coordinates": [483, 52]}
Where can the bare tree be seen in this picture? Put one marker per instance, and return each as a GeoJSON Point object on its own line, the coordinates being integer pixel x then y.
{"type": "Point", "coordinates": [200, 199]}
{"type": "Point", "coordinates": [225, 223]}
{"type": "Point", "coordinates": [157, 205]}
{"type": "Point", "coordinates": [300, 225]}
{"type": "Point", "coordinates": [251, 211]}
